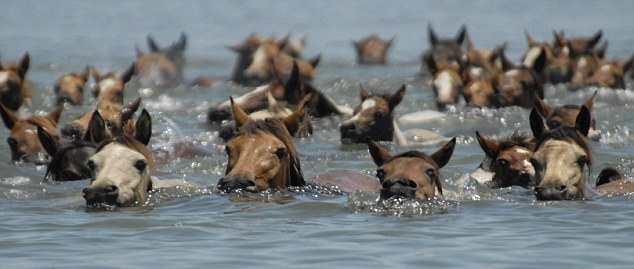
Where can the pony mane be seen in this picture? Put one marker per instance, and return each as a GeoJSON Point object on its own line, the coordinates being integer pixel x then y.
{"type": "Point", "coordinates": [567, 132]}
{"type": "Point", "coordinates": [131, 143]}
{"type": "Point", "coordinates": [276, 128]}
{"type": "Point", "coordinates": [51, 169]}
{"type": "Point", "coordinates": [518, 139]}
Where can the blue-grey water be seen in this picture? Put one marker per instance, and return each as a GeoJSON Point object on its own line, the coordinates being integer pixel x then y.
{"type": "Point", "coordinates": [45, 225]}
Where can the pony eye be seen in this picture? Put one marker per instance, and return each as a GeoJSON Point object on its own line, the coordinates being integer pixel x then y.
{"type": "Point", "coordinates": [553, 124]}
{"type": "Point", "coordinates": [12, 142]}
{"type": "Point", "coordinates": [378, 114]}
{"type": "Point", "coordinates": [582, 161]}
{"type": "Point", "coordinates": [431, 173]}
{"type": "Point", "coordinates": [140, 165]}
{"type": "Point", "coordinates": [502, 162]}
{"type": "Point", "coordinates": [280, 153]}
{"type": "Point", "coordinates": [380, 174]}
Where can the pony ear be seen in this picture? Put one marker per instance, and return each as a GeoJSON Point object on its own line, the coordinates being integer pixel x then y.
{"type": "Point", "coordinates": [50, 143]}
{"type": "Point", "coordinates": [529, 38]}
{"type": "Point", "coordinates": [462, 33]}
{"type": "Point", "coordinates": [128, 111]}
{"type": "Point", "coordinates": [595, 39]}
{"type": "Point", "coordinates": [293, 87]}
{"type": "Point", "coordinates": [537, 124]}
{"type": "Point", "coordinates": [239, 116]}
{"type": "Point", "coordinates": [8, 117]}
{"type": "Point", "coordinates": [542, 108]}
{"type": "Point", "coordinates": [583, 121]}
{"type": "Point", "coordinates": [540, 62]}
{"type": "Point", "coordinates": [143, 128]}
{"type": "Point", "coordinates": [294, 120]}
{"type": "Point", "coordinates": [24, 65]}
{"type": "Point", "coordinates": [315, 60]}
{"type": "Point", "coordinates": [182, 42]}
{"type": "Point", "coordinates": [560, 39]}
{"type": "Point", "coordinates": [590, 102]}
{"type": "Point", "coordinates": [96, 131]}
{"type": "Point", "coordinates": [362, 93]}
{"type": "Point", "coordinates": [127, 74]}
{"type": "Point", "coordinates": [85, 74]}
{"type": "Point", "coordinates": [152, 44]}
{"type": "Point", "coordinates": [490, 147]}
{"type": "Point", "coordinates": [442, 156]}
{"type": "Point", "coordinates": [379, 155]}
{"type": "Point", "coordinates": [396, 97]}
{"type": "Point", "coordinates": [433, 38]}
{"type": "Point", "coordinates": [96, 75]}
{"type": "Point", "coordinates": [602, 50]}
{"type": "Point", "coordinates": [56, 114]}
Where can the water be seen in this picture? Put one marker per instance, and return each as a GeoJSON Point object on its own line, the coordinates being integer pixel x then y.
{"type": "Point", "coordinates": [45, 225]}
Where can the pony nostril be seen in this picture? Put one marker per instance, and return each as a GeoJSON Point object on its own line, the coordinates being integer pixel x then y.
{"type": "Point", "coordinates": [562, 188]}
{"type": "Point", "coordinates": [347, 128]}
{"type": "Point", "coordinates": [230, 184]}
{"type": "Point", "coordinates": [407, 183]}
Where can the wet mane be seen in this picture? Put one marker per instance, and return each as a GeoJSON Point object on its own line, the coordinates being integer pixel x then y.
{"type": "Point", "coordinates": [411, 154]}
{"type": "Point", "coordinates": [567, 132]}
{"type": "Point", "coordinates": [276, 128]}
{"type": "Point", "coordinates": [517, 139]}
{"type": "Point", "coordinates": [133, 144]}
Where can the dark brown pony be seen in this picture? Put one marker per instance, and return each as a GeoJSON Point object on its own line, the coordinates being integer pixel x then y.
{"type": "Point", "coordinates": [566, 115]}
{"type": "Point", "coordinates": [109, 88]}
{"type": "Point", "coordinates": [14, 87]}
{"type": "Point", "coordinates": [68, 161]}
{"type": "Point", "coordinates": [161, 67]}
{"type": "Point", "coordinates": [69, 88]}
{"type": "Point", "coordinates": [373, 118]}
{"type": "Point", "coordinates": [445, 51]}
{"type": "Point", "coordinates": [509, 160]}
{"type": "Point", "coordinates": [372, 49]}
{"type": "Point", "coordinates": [611, 74]}
{"type": "Point", "coordinates": [23, 140]}
{"type": "Point", "coordinates": [412, 174]}
{"type": "Point", "coordinates": [261, 156]}
{"type": "Point", "coordinates": [518, 84]}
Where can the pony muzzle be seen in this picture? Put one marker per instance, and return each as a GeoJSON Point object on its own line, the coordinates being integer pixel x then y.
{"type": "Point", "coordinates": [230, 184]}
{"type": "Point", "coordinates": [403, 187]}
{"type": "Point", "coordinates": [552, 192]}
{"type": "Point", "coordinates": [101, 195]}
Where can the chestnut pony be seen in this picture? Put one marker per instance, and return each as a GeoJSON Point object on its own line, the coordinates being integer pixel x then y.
{"type": "Point", "coordinates": [412, 174]}
{"type": "Point", "coordinates": [509, 160]}
{"type": "Point", "coordinates": [14, 87]}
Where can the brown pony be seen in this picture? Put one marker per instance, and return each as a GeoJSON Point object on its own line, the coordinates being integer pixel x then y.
{"type": "Point", "coordinates": [447, 83]}
{"type": "Point", "coordinates": [509, 160]}
{"type": "Point", "coordinates": [373, 118]}
{"type": "Point", "coordinates": [114, 115]}
{"type": "Point", "coordinates": [261, 156]}
{"type": "Point", "coordinates": [372, 49]}
{"type": "Point", "coordinates": [560, 158]}
{"type": "Point", "coordinates": [23, 140]}
{"type": "Point", "coordinates": [68, 161]}
{"type": "Point", "coordinates": [161, 67]}
{"type": "Point", "coordinates": [69, 88]}
{"type": "Point", "coordinates": [517, 85]}
{"type": "Point", "coordinates": [14, 87]}
{"type": "Point", "coordinates": [269, 61]}
{"type": "Point", "coordinates": [566, 115]}
{"type": "Point", "coordinates": [245, 52]}
{"type": "Point", "coordinates": [611, 74]}
{"type": "Point", "coordinates": [412, 174]}
{"type": "Point", "coordinates": [109, 88]}
{"type": "Point", "coordinates": [445, 51]}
